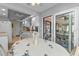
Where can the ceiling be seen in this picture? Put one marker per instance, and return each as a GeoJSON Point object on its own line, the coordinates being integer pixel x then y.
{"type": "Point", "coordinates": [15, 15]}
{"type": "Point", "coordinates": [39, 8]}
{"type": "Point", "coordinates": [25, 8]}
{"type": "Point", "coordinates": [42, 7]}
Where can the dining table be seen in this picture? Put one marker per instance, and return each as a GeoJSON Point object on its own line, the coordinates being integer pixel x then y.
{"type": "Point", "coordinates": [39, 47]}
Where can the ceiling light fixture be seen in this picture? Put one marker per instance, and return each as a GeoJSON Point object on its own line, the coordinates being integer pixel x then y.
{"type": "Point", "coordinates": [3, 14]}
{"type": "Point", "coordinates": [3, 9]}
{"type": "Point", "coordinates": [35, 2]}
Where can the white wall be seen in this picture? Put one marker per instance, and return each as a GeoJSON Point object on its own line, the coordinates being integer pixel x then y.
{"type": "Point", "coordinates": [17, 29]}
{"type": "Point", "coordinates": [40, 27]}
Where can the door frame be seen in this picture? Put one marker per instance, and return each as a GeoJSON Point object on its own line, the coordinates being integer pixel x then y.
{"type": "Point", "coordinates": [75, 10]}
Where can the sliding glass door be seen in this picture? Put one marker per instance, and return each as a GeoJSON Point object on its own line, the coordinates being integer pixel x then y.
{"type": "Point", "coordinates": [64, 34]}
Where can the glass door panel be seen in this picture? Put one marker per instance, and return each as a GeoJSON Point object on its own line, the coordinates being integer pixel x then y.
{"type": "Point", "coordinates": [64, 33]}
{"type": "Point", "coordinates": [47, 28]}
